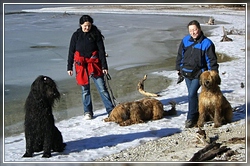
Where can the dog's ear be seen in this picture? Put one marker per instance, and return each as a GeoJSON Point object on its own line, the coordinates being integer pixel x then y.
{"type": "Point", "coordinates": [200, 81]}
{"type": "Point", "coordinates": [37, 87]}
{"type": "Point", "coordinates": [201, 77]}
{"type": "Point", "coordinates": [216, 76]}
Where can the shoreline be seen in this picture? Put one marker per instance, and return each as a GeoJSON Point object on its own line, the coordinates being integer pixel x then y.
{"type": "Point", "coordinates": [70, 105]}
{"type": "Point", "coordinates": [124, 88]}
{"type": "Point", "coordinates": [82, 142]}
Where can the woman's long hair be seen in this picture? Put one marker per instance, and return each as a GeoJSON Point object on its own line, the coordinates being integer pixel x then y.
{"type": "Point", "coordinates": [87, 18]}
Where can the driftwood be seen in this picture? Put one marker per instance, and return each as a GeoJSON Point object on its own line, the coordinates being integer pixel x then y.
{"type": "Point", "coordinates": [202, 137]}
{"type": "Point", "coordinates": [209, 152]}
{"type": "Point", "coordinates": [210, 21]}
{"type": "Point", "coordinates": [140, 87]}
{"type": "Point", "coordinates": [224, 37]}
{"type": "Point", "coordinates": [236, 140]}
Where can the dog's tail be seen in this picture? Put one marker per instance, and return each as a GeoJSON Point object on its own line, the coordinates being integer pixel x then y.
{"type": "Point", "coordinates": [172, 111]}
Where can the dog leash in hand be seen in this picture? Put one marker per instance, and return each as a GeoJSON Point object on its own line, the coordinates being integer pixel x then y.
{"type": "Point", "coordinates": [107, 78]}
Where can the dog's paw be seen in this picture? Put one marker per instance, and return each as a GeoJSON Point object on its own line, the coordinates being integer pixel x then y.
{"type": "Point", "coordinates": [199, 124]}
{"type": "Point", "coordinates": [46, 155]}
{"type": "Point", "coordinates": [124, 124]}
{"type": "Point", "coordinates": [27, 155]}
{"type": "Point", "coordinates": [60, 148]}
{"type": "Point", "coordinates": [107, 119]}
{"type": "Point", "coordinates": [216, 125]}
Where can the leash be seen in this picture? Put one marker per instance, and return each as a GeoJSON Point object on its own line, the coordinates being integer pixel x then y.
{"type": "Point", "coordinates": [107, 77]}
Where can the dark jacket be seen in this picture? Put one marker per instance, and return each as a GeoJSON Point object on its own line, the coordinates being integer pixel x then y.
{"type": "Point", "coordinates": [196, 55]}
{"type": "Point", "coordinates": [85, 44]}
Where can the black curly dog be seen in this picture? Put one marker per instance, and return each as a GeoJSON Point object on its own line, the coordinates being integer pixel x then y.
{"type": "Point", "coordinates": [41, 134]}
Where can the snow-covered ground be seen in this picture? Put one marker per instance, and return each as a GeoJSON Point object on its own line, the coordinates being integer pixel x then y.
{"type": "Point", "coordinates": [93, 139]}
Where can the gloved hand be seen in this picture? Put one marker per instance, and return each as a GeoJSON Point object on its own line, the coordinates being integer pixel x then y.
{"type": "Point", "coordinates": [180, 78]}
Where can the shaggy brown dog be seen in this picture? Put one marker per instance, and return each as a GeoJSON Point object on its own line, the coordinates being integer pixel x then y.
{"type": "Point", "coordinates": [129, 113]}
{"type": "Point", "coordinates": [212, 103]}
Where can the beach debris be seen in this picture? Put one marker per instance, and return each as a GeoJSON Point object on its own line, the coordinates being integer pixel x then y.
{"type": "Point", "coordinates": [242, 85]}
{"type": "Point", "coordinates": [66, 14]}
{"type": "Point", "coordinates": [202, 137]}
{"type": "Point", "coordinates": [212, 150]}
{"type": "Point", "coordinates": [209, 152]}
{"type": "Point", "coordinates": [140, 87]}
{"type": "Point", "coordinates": [224, 37]}
{"type": "Point", "coordinates": [234, 31]}
{"type": "Point", "coordinates": [210, 21]}
{"type": "Point", "coordinates": [237, 140]}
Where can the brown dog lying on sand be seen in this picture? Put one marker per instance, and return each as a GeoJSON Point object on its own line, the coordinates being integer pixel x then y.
{"type": "Point", "coordinates": [129, 113]}
{"type": "Point", "coordinates": [212, 103]}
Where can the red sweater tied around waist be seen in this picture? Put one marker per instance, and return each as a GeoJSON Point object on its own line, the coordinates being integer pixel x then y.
{"type": "Point", "coordinates": [85, 67]}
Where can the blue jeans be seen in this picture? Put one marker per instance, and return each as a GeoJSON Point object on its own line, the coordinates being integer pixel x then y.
{"type": "Point", "coordinates": [192, 85]}
{"type": "Point", "coordinates": [102, 89]}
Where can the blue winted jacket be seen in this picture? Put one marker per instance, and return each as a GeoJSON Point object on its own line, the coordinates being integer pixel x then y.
{"type": "Point", "coordinates": [199, 54]}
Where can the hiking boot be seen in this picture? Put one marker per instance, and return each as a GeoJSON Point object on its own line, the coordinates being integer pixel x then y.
{"type": "Point", "coordinates": [87, 116]}
{"type": "Point", "coordinates": [189, 123]}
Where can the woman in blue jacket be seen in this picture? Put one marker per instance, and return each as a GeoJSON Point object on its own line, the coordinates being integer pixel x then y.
{"type": "Point", "coordinates": [196, 54]}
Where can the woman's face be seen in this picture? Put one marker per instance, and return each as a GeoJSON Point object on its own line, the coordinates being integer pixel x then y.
{"type": "Point", "coordinates": [194, 31]}
{"type": "Point", "coordinates": [86, 26]}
